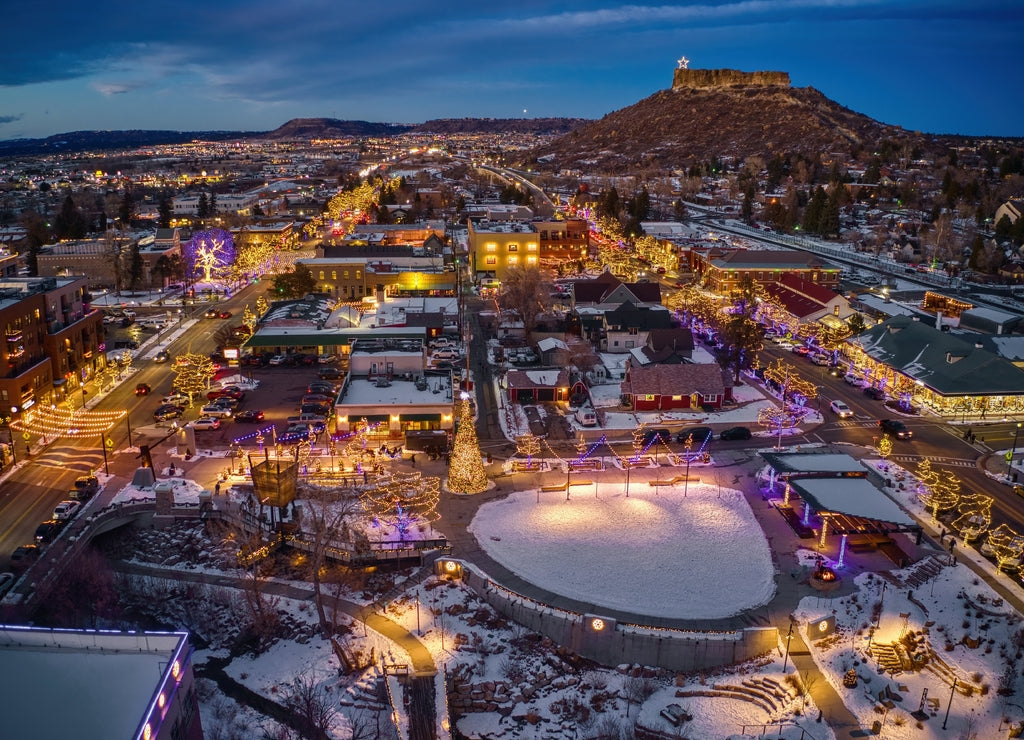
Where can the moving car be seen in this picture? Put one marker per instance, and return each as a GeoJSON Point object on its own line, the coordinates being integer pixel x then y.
{"type": "Point", "coordinates": [840, 409]}
{"type": "Point", "coordinates": [249, 415]}
{"type": "Point", "coordinates": [700, 435]}
{"type": "Point", "coordinates": [735, 433]}
{"type": "Point", "coordinates": [66, 510]}
{"type": "Point", "coordinates": [896, 428]}
{"type": "Point", "coordinates": [224, 315]}
{"type": "Point", "coordinates": [855, 380]}
{"type": "Point", "coordinates": [142, 389]}
{"type": "Point", "coordinates": [211, 313]}
{"type": "Point", "coordinates": [206, 423]}
{"type": "Point", "coordinates": [162, 356]}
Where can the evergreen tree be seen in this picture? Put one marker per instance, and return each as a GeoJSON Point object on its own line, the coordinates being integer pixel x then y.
{"type": "Point", "coordinates": [70, 222]}
{"type": "Point", "coordinates": [828, 222]}
{"type": "Point", "coordinates": [135, 266]}
{"type": "Point", "coordinates": [128, 207]}
{"type": "Point", "coordinates": [466, 472]}
{"type": "Point", "coordinates": [977, 258]}
{"type": "Point", "coordinates": [166, 211]}
{"type": "Point", "coordinates": [814, 211]}
{"type": "Point", "coordinates": [203, 207]}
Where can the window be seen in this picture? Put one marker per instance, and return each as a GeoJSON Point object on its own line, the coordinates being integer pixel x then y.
{"type": "Point", "coordinates": [650, 397]}
{"type": "Point", "coordinates": [490, 247]}
{"type": "Point", "coordinates": [345, 273]}
{"type": "Point", "coordinates": [513, 247]}
{"type": "Point", "coordinates": [490, 261]}
{"type": "Point", "coordinates": [531, 259]}
{"type": "Point", "coordinates": [531, 247]}
{"type": "Point", "coordinates": [321, 274]}
{"type": "Point", "coordinates": [359, 274]}
{"type": "Point", "coordinates": [513, 259]}
{"type": "Point", "coordinates": [677, 398]}
{"type": "Point", "coordinates": [334, 275]}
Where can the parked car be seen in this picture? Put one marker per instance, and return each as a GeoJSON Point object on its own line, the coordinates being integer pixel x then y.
{"type": "Point", "coordinates": [324, 389]}
{"type": "Point", "coordinates": [820, 358]}
{"type": "Point", "coordinates": [318, 398]}
{"type": "Point", "coordinates": [875, 393]}
{"type": "Point", "coordinates": [249, 415]}
{"type": "Point", "coordinates": [662, 435]}
{"type": "Point", "coordinates": [168, 411]}
{"type": "Point", "coordinates": [801, 349]}
{"type": "Point", "coordinates": [48, 531]}
{"type": "Point", "coordinates": [896, 428]}
{"type": "Point", "coordinates": [700, 435]}
{"type": "Point", "coordinates": [23, 556]}
{"type": "Point", "coordinates": [87, 486]}
{"type": "Point", "coordinates": [735, 433]}
{"type": "Point", "coordinates": [216, 410]}
{"type": "Point", "coordinates": [840, 409]}
{"type": "Point", "coordinates": [331, 373]}
{"type": "Point", "coordinates": [206, 423]}
{"type": "Point", "coordinates": [278, 360]}
{"type": "Point", "coordinates": [855, 380]}
{"type": "Point", "coordinates": [66, 510]}
{"type": "Point", "coordinates": [142, 389]}
{"type": "Point", "coordinates": [227, 402]}
{"type": "Point", "coordinates": [175, 398]}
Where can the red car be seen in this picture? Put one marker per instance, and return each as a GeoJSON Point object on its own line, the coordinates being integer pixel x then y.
{"type": "Point", "coordinates": [224, 315]}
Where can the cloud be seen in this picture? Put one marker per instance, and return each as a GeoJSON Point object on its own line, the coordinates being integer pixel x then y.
{"type": "Point", "coordinates": [11, 119]}
{"type": "Point", "coordinates": [116, 88]}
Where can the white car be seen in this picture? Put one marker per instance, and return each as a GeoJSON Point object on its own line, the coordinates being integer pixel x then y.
{"type": "Point", "coordinates": [840, 409]}
{"type": "Point", "coordinates": [66, 510]}
{"type": "Point", "coordinates": [856, 381]}
{"type": "Point", "coordinates": [216, 410]}
{"type": "Point", "coordinates": [175, 399]}
{"type": "Point", "coordinates": [206, 423]}
{"type": "Point", "coordinates": [277, 360]}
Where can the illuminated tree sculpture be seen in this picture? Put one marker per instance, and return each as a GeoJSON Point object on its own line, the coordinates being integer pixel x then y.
{"type": "Point", "coordinates": [528, 445]}
{"type": "Point", "coordinates": [192, 374]}
{"type": "Point", "coordinates": [791, 387]}
{"type": "Point", "coordinates": [466, 472]}
{"type": "Point", "coordinates": [926, 480]}
{"type": "Point", "coordinates": [975, 511]}
{"type": "Point", "coordinates": [782, 419]}
{"type": "Point", "coordinates": [261, 306]}
{"type": "Point", "coordinates": [885, 449]}
{"type": "Point", "coordinates": [210, 252]}
{"type": "Point", "coordinates": [248, 319]}
{"type": "Point", "coordinates": [402, 500]}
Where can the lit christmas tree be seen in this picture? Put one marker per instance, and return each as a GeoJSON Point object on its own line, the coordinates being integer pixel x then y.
{"type": "Point", "coordinates": [193, 374]}
{"type": "Point", "coordinates": [466, 467]}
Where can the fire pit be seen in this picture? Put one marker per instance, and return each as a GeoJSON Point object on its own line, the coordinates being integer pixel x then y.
{"type": "Point", "coordinates": [824, 578]}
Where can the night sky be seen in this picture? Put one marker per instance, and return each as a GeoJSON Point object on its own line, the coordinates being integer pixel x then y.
{"type": "Point", "coordinates": [937, 66]}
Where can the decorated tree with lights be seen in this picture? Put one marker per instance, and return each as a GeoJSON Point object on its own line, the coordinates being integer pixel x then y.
{"type": "Point", "coordinates": [926, 480]}
{"type": "Point", "coordinates": [248, 319]}
{"type": "Point", "coordinates": [528, 445]}
{"type": "Point", "coordinates": [975, 511]}
{"type": "Point", "coordinates": [192, 374]}
{"type": "Point", "coordinates": [782, 419]}
{"type": "Point", "coordinates": [210, 252]}
{"type": "Point", "coordinates": [401, 501]}
{"type": "Point", "coordinates": [791, 387]}
{"type": "Point", "coordinates": [261, 306]}
{"type": "Point", "coordinates": [884, 449]}
{"type": "Point", "coordinates": [466, 472]}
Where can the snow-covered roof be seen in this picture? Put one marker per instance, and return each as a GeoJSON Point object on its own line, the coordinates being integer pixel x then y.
{"type": "Point", "coordinates": [851, 496]}
{"type": "Point", "coordinates": [811, 462]}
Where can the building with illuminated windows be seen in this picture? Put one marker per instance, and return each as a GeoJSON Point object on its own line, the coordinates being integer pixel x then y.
{"type": "Point", "coordinates": [497, 246]}
{"type": "Point", "coordinates": [132, 685]}
{"type": "Point", "coordinates": [722, 270]}
{"type": "Point", "coordinates": [52, 342]}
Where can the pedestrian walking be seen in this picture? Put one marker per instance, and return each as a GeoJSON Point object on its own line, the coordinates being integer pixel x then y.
{"type": "Point", "coordinates": [414, 461]}
{"type": "Point", "coordinates": [216, 490]}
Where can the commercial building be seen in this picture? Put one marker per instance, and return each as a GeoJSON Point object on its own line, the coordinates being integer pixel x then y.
{"type": "Point", "coordinates": [52, 343]}
{"type": "Point", "coordinates": [92, 684]}
{"type": "Point", "coordinates": [496, 246]}
{"type": "Point", "coordinates": [98, 260]}
{"type": "Point", "coordinates": [722, 270]}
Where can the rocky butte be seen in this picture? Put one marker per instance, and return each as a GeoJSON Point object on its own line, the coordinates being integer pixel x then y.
{"type": "Point", "coordinates": [693, 78]}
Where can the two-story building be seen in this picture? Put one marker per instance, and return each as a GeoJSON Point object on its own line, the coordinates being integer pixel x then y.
{"type": "Point", "coordinates": [722, 271]}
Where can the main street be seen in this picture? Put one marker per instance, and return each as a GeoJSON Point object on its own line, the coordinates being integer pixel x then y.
{"type": "Point", "coordinates": [29, 494]}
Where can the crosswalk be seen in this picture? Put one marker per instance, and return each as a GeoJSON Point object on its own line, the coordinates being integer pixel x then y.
{"type": "Point", "coordinates": [70, 458]}
{"type": "Point", "coordinates": [950, 462]}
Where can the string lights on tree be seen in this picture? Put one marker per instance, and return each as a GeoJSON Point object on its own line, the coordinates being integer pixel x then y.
{"type": "Point", "coordinates": [466, 472]}
{"type": "Point", "coordinates": [211, 252]}
{"type": "Point", "coordinates": [402, 500]}
{"type": "Point", "coordinates": [192, 374]}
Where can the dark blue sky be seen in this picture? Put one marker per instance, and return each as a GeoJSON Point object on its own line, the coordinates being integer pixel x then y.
{"type": "Point", "coordinates": [939, 66]}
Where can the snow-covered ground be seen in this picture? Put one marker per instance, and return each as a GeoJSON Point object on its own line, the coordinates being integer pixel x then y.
{"type": "Point", "coordinates": [667, 555]}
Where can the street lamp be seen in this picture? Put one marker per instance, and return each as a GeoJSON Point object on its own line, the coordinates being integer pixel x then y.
{"type": "Point", "coordinates": [1013, 450]}
{"type": "Point", "coordinates": [688, 445]}
{"type": "Point", "coordinates": [789, 637]}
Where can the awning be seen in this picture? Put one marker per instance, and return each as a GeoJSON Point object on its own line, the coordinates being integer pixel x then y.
{"type": "Point", "coordinates": [851, 496]}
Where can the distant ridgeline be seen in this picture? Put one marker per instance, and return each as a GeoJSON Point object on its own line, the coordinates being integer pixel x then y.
{"type": "Point", "coordinates": [727, 78]}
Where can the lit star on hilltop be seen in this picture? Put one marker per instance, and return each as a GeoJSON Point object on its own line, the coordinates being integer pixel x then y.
{"type": "Point", "coordinates": [683, 63]}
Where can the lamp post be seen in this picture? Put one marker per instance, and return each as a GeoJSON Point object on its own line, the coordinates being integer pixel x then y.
{"type": "Point", "coordinates": [103, 446]}
{"type": "Point", "coordinates": [1013, 450]}
{"type": "Point", "coordinates": [789, 637]}
{"type": "Point", "coordinates": [952, 690]}
{"type": "Point", "coordinates": [688, 445]}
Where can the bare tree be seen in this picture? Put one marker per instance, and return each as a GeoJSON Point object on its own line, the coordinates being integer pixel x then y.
{"type": "Point", "coordinates": [311, 703]}
{"type": "Point", "coordinates": [527, 291]}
